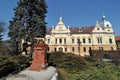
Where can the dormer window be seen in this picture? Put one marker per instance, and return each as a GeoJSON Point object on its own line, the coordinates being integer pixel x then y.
{"type": "Point", "coordinates": [80, 30]}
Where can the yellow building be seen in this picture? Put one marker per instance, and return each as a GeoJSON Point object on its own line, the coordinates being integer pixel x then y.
{"type": "Point", "coordinates": [80, 40]}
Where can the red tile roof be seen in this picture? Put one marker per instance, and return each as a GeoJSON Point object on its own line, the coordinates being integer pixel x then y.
{"type": "Point", "coordinates": [117, 38]}
{"type": "Point", "coordinates": [76, 30]}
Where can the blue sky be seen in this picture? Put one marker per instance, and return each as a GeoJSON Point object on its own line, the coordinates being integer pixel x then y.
{"type": "Point", "coordinates": [75, 12]}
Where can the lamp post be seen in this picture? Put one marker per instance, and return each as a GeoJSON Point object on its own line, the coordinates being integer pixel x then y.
{"type": "Point", "coordinates": [79, 43]}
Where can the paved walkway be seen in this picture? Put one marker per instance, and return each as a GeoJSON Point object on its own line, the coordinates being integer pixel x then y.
{"type": "Point", "coordinates": [48, 74]}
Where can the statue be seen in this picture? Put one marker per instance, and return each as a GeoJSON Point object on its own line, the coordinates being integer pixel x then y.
{"type": "Point", "coordinates": [40, 40]}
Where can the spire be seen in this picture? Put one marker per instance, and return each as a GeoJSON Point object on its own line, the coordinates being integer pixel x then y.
{"type": "Point", "coordinates": [97, 24]}
{"type": "Point", "coordinates": [103, 17]}
{"type": "Point", "coordinates": [60, 19]}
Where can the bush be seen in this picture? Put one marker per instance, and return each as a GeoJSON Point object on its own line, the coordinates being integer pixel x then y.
{"type": "Point", "coordinates": [9, 64]}
{"type": "Point", "coordinates": [73, 67]}
{"type": "Point", "coordinates": [72, 63]}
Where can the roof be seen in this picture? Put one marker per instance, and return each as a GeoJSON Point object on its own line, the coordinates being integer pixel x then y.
{"type": "Point", "coordinates": [76, 30]}
{"type": "Point", "coordinates": [117, 38]}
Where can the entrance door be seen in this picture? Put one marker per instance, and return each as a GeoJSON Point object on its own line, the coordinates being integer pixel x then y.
{"type": "Point", "coordinates": [61, 49]}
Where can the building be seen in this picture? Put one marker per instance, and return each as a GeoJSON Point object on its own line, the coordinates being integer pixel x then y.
{"type": "Point", "coordinates": [117, 39]}
{"type": "Point", "coordinates": [80, 40]}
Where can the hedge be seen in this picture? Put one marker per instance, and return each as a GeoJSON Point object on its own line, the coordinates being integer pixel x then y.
{"type": "Point", "coordinates": [11, 64]}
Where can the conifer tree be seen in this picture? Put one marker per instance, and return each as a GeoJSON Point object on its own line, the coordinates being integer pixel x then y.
{"type": "Point", "coordinates": [1, 29]}
{"type": "Point", "coordinates": [2, 24]}
{"type": "Point", "coordinates": [28, 22]}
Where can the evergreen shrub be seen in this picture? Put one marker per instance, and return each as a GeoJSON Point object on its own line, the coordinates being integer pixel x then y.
{"type": "Point", "coordinates": [11, 64]}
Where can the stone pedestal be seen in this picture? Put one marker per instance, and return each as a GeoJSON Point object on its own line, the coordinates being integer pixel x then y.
{"type": "Point", "coordinates": [40, 57]}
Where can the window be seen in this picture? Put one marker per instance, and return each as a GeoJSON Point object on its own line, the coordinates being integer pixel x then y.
{"type": "Point", "coordinates": [65, 41]}
{"type": "Point", "coordinates": [89, 40]}
{"type": "Point", "coordinates": [99, 40]}
{"type": "Point", "coordinates": [84, 49]}
{"type": "Point", "coordinates": [110, 41]}
{"type": "Point", "coordinates": [54, 49]}
{"type": "Point", "coordinates": [100, 48]}
{"type": "Point", "coordinates": [48, 40]}
{"type": "Point", "coordinates": [60, 40]}
{"type": "Point", "coordinates": [48, 48]}
{"type": "Point", "coordinates": [111, 48]}
{"type": "Point", "coordinates": [78, 40]}
{"type": "Point", "coordinates": [73, 49]}
{"type": "Point", "coordinates": [84, 40]}
{"type": "Point", "coordinates": [61, 49]}
{"type": "Point", "coordinates": [73, 41]}
{"type": "Point", "coordinates": [65, 49]}
{"type": "Point", "coordinates": [56, 41]}
{"type": "Point", "coordinates": [90, 48]}
{"type": "Point", "coordinates": [78, 49]}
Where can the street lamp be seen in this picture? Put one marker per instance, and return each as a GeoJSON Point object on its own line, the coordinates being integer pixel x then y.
{"type": "Point", "coordinates": [79, 43]}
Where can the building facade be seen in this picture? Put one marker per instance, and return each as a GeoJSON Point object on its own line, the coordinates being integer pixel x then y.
{"type": "Point", "coordinates": [117, 39]}
{"type": "Point", "coordinates": [80, 40]}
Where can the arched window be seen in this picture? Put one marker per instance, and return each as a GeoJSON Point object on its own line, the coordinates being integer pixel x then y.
{"type": "Point", "coordinates": [73, 49]}
{"type": "Point", "coordinates": [48, 49]}
{"type": "Point", "coordinates": [61, 49]}
{"type": "Point", "coordinates": [73, 40]}
{"type": "Point", "coordinates": [84, 49]}
{"type": "Point", "coordinates": [99, 39]}
{"type": "Point", "coordinates": [89, 40]}
{"type": "Point", "coordinates": [64, 40]}
{"type": "Point", "coordinates": [78, 40]}
{"type": "Point", "coordinates": [60, 40]}
{"type": "Point", "coordinates": [48, 40]}
{"type": "Point", "coordinates": [110, 40]}
{"type": "Point", "coordinates": [83, 40]}
{"type": "Point", "coordinates": [56, 40]}
{"type": "Point", "coordinates": [54, 49]}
